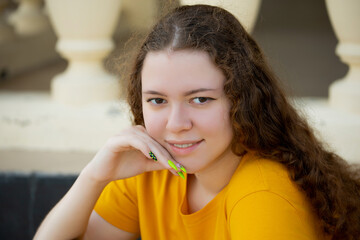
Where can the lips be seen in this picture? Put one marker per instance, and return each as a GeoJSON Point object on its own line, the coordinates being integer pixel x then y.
{"type": "Point", "coordinates": [183, 147]}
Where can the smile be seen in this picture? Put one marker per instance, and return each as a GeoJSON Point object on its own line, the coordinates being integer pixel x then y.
{"type": "Point", "coordinates": [183, 148]}
{"type": "Point", "coordinates": [183, 145]}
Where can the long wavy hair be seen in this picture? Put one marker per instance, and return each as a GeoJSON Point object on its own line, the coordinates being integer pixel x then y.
{"type": "Point", "coordinates": [262, 118]}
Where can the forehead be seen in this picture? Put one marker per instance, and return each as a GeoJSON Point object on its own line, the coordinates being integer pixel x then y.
{"type": "Point", "coordinates": [183, 69]}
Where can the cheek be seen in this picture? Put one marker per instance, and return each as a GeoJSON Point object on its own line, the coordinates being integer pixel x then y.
{"type": "Point", "coordinates": [154, 123]}
{"type": "Point", "coordinates": [215, 124]}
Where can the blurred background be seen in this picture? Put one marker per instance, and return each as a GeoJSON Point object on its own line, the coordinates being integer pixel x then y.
{"type": "Point", "coordinates": [46, 139]}
{"type": "Point", "coordinates": [296, 36]}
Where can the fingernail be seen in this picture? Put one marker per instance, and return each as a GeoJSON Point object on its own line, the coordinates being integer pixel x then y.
{"type": "Point", "coordinates": [153, 156]}
{"type": "Point", "coordinates": [179, 166]}
{"type": "Point", "coordinates": [172, 165]}
{"type": "Point", "coordinates": [183, 169]}
{"type": "Point", "coordinates": [181, 175]}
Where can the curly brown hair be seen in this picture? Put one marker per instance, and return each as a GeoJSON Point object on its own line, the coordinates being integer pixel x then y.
{"type": "Point", "coordinates": [263, 120]}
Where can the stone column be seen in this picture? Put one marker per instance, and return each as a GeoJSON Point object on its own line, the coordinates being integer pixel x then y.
{"type": "Point", "coordinates": [344, 15]}
{"type": "Point", "coordinates": [245, 10]}
{"type": "Point", "coordinates": [29, 18]}
{"type": "Point", "coordinates": [6, 32]}
{"type": "Point", "coordinates": [84, 29]}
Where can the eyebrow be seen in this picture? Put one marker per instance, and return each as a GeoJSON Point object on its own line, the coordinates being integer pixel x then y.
{"type": "Point", "coordinates": [186, 93]}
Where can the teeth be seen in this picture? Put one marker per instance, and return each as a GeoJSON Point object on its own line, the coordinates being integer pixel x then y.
{"type": "Point", "coordinates": [183, 145]}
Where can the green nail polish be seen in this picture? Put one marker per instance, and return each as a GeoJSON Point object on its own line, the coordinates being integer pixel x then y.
{"type": "Point", "coordinates": [183, 169]}
{"type": "Point", "coordinates": [181, 175]}
{"type": "Point", "coordinates": [152, 155]}
{"type": "Point", "coordinates": [172, 165]}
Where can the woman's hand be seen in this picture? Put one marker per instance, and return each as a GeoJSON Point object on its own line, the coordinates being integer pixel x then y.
{"type": "Point", "coordinates": [124, 155]}
{"type": "Point", "coordinates": [128, 154]}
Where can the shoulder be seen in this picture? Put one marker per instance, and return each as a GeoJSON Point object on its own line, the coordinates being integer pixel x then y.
{"type": "Point", "coordinates": [263, 181]}
{"type": "Point", "coordinates": [262, 195]}
{"type": "Point", "coordinates": [258, 174]}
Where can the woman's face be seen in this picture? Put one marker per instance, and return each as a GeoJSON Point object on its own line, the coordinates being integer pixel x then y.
{"type": "Point", "coordinates": [185, 108]}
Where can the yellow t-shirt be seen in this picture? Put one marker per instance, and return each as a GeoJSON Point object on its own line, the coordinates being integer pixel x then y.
{"type": "Point", "coordinates": [260, 202]}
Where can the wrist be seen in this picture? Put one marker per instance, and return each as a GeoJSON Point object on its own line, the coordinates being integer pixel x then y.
{"type": "Point", "coordinates": [87, 175]}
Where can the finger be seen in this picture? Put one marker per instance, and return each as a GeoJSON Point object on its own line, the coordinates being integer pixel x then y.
{"type": "Point", "coordinates": [121, 143]}
{"type": "Point", "coordinates": [140, 131]}
{"type": "Point", "coordinates": [178, 166]}
{"type": "Point", "coordinates": [162, 157]}
{"type": "Point", "coordinates": [167, 161]}
{"type": "Point", "coordinates": [140, 128]}
{"type": "Point", "coordinates": [158, 150]}
{"type": "Point", "coordinates": [145, 144]}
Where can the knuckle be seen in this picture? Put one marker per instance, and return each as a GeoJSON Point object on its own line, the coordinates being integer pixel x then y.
{"type": "Point", "coordinates": [140, 127]}
{"type": "Point", "coordinates": [111, 142]}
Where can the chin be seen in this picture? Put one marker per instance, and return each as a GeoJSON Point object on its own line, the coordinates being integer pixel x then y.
{"type": "Point", "coordinates": [192, 170]}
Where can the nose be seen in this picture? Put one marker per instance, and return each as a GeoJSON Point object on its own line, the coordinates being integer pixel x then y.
{"type": "Point", "coordinates": [178, 119]}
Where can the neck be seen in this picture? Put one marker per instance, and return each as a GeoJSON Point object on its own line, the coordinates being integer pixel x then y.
{"type": "Point", "coordinates": [215, 177]}
{"type": "Point", "coordinates": [203, 186]}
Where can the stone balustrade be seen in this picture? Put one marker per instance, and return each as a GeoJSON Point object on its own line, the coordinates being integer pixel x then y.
{"type": "Point", "coordinates": [82, 110]}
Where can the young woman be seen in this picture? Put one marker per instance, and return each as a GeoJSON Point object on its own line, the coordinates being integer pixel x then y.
{"type": "Point", "coordinates": [216, 150]}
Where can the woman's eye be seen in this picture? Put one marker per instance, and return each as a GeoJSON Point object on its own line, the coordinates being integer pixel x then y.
{"type": "Point", "coordinates": [201, 100]}
{"type": "Point", "coordinates": [156, 101]}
